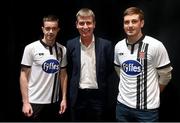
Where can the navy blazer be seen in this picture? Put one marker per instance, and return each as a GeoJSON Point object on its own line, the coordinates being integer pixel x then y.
{"type": "Point", "coordinates": [104, 65]}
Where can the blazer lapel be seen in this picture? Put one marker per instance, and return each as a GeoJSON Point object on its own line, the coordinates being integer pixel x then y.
{"type": "Point", "coordinates": [97, 52]}
{"type": "Point", "coordinates": [78, 54]}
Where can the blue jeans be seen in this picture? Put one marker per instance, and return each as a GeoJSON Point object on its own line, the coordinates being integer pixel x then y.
{"type": "Point", "coordinates": [127, 114]}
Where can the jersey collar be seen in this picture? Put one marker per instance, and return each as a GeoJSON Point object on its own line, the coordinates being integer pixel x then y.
{"type": "Point", "coordinates": [140, 40]}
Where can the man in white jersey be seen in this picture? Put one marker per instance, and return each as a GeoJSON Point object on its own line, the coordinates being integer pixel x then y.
{"type": "Point", "coordinates": [143, 65]}
{"type": "Point", "coordinates": [43, 77]}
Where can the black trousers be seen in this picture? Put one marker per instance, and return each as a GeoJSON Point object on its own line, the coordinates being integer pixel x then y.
{"type": "Point", "coordinates": [89, 107]}
{"type": "Point", "coordinates": [45, 112]}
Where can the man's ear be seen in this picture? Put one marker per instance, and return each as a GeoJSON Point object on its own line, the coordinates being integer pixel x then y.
{"type": "Point", "coordinates": [142, 23]}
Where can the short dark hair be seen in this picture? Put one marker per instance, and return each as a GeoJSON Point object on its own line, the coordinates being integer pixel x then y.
{"type": "Point", "coordinates": [50, 18]}
{"type": "Point", "coordinates": [134, 10]}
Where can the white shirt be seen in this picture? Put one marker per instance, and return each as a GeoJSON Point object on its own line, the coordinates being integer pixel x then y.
{"type": "Point", "coordinates": [45, 67]}
{"type": "Point", "coordinates": [138, 86]}
{"type": "Point", "coordinates": [88, 67]}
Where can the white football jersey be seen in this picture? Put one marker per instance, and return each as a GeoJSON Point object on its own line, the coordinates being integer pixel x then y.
{"type": "Point", "coordinates": [139, 86]}
{"type": "Point", "coordinates": [45, 63]}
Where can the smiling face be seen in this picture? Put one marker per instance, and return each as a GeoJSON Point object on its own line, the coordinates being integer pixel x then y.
{"type": "Point", "coordinates": [85, 26]}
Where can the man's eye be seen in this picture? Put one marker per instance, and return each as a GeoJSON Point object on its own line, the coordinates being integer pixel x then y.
{"type": "Point", "coordinates": [126, 22]}
{"type": "Point", "coordinates": [81, 23]}
{"type": "Point", "coordinates": [88, 23]}
{"type": "Point", "coordinates": [134, 21]}
{"type": "Point", "coordinates": [50, 28]}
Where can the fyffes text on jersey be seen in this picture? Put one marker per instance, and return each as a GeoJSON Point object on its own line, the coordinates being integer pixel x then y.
{"type": "Point", "coordinates": [132, 67]}
{"type": "Point", "coordinates": [51, 66]}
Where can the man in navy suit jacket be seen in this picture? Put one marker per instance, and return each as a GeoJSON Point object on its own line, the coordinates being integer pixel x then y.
{"type": "Point", "coordinates": [90, 63]}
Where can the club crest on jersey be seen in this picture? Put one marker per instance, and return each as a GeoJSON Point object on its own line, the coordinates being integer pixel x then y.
{"type": "Point", "coordinates": [141, 55]}
{"type": "Point", "coordinates": [51, 66]}
{"type": "Point", "coordinates": [132, 67]}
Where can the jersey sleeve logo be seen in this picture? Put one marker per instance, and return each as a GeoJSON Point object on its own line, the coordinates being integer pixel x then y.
{"type": "Point", "coordinates": [132, 67]}
{"type": "Point", "coordinates": [51, 66]}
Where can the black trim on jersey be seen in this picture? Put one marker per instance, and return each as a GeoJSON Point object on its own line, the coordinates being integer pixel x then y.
{"type": "Point", "coordinates": [26, 66]}
{"type": "Point", "coordinates": [138, 80]}
{"type": "Point", "coordinates": [132, 45]}
{"type": "Point", "coordinates": [165, 66]}
{"type": "Point", "coordinates": [54, 87]}
{"type": "Point", "coordinates": [61, 53]}
{"type": "Point", "coordinates": [117, 65]}
{"type": "Point", "coordinates": [132, 48]}
{"type": "Point", "coordinates": [64, 67]}
{"type": "Point", "coordinates": [56, 83]}
{"type": "Point", "coordinates": [142, 79]}
{"type": "Point", "coordinates": [50, 50]}
{"type": "Point", "coordinates": [45, 45]}
{"type": "Point", "coordinates": [145, 77]}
